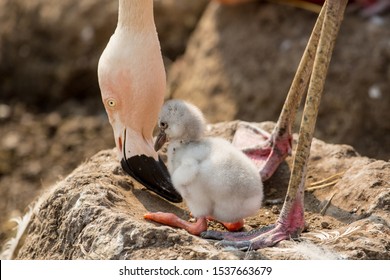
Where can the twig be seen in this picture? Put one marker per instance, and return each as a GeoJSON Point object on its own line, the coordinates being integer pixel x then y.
{"type": "Point", "coordinates": [322, 212]}
{"type": "Point", "coordinates": [327, 179]}
{"type": "Point", "coordinates": [322, 186]}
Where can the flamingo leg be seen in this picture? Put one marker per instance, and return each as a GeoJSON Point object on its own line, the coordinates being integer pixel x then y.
{"type": "Point", "coordinates": [313, 66]}
{"type": "Point", "coordinates": [268, 152]}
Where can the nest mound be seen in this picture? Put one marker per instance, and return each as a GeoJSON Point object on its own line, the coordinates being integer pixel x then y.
{"type": "Point", "coordinates": [97, 213]}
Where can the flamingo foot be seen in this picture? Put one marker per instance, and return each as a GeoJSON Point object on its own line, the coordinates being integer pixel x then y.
{"type": "Point", "coordinates": [265, 237]}
{"type": "Point", "coordinates": [290, 224]}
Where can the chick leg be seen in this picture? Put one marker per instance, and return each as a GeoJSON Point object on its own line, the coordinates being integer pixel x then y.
{"type": "Point", "coordinates": [171, 219]}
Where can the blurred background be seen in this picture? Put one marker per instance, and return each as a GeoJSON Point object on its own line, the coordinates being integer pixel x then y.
{"type": "Point", "coordinates": [233, 62]}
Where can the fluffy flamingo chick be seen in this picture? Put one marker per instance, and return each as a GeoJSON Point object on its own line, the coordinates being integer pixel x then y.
{"type": "Point", "coordinates": [215, 179]}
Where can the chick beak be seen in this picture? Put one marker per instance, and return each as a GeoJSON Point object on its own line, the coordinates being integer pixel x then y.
{"type": "Point", "coordinates": [160, 140]}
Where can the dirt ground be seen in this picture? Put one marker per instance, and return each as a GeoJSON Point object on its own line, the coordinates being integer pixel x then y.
{"type": "Point", "coordinates": [41, 144]}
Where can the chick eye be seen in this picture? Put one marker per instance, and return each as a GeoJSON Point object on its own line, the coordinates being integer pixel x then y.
{"type": "Point", "coordinates": [163, 125]}
{"type": "Point", "coordinates": [111, 102]}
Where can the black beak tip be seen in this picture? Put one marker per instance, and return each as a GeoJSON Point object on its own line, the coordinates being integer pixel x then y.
{"type": "Point", "coordinates": [153, 175]}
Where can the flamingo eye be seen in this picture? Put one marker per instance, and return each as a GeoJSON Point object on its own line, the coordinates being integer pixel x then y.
{"type": "Point", "coordinates": [111, 103]}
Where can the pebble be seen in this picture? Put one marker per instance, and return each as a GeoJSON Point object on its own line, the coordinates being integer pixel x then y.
{"type": "Point", "coordinates": [5, 112]}
{"type": "Point", "coordinates": [374, 92]}
{"type": "Point", "coordinates": [275, 209]}
{"type": "Point", "coordinates": [274, 201]}
{"type": "Point", "coordinates": [354, 210]}
{"type": "Point", "coordinates": [325, 225]}
{"type": "Point", "coordinates": [11, 141]}
{"type": "Point", "coordinates": [53, 119]}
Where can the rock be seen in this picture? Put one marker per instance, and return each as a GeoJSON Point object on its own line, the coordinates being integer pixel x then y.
{"type": "Point", "coordinates": [49, 50]}
{"type": "Point", "coordinates": [324, 224]}
{"type": "Point", "coordinates": [240, 62]}
{"type": "Point", "coordinates": [175, 21]}
{"type": "Point", "coordinates": [5, 112]}
{"type": "Point", "coordinates": [275, 209]}
{"type": "Point", "coordinates": [97, 213]}
{"type": "Point", "coordinates": [52, 47]}
{"type": "Point", "coordinates": [37, 150]}
{"type": "Point", "coordinates": [11, 141]}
